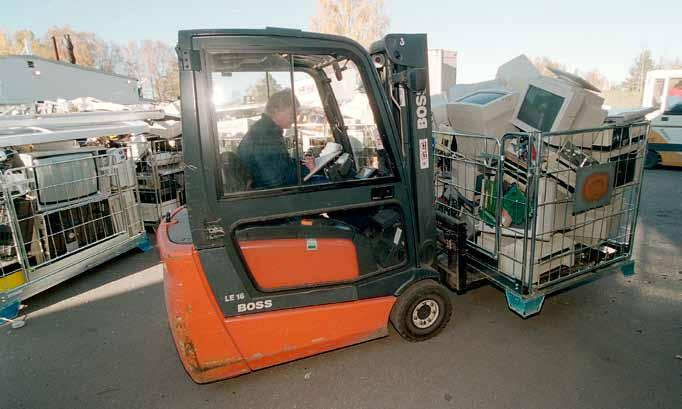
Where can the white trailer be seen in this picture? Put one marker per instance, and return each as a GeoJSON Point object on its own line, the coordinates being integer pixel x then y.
{"type": "Point", "coordinates": [663, 91]}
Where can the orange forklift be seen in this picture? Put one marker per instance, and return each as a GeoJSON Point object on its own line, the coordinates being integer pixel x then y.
{"type": "Point", "coordinates": [258, 274]}
{"type": "Point", "coordinates": [310, 220]}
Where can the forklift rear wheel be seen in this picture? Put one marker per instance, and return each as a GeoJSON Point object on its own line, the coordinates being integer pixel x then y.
{"type": "Point", "coordinates": [422, 311]}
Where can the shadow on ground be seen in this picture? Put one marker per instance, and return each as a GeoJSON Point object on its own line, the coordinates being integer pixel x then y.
{"type": "Point", "coordinates": [115, 269]}
{"type": "Point", "coordinates": [101, 340]}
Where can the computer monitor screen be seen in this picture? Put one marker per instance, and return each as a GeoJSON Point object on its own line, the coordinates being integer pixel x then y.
{"type": "Point", "coordinates": [482, 98]}
{"type": "Point", "coordinates": [540, 108]}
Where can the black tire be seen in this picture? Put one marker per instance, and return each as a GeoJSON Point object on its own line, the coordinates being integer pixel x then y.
{"type": "Point", "coordinates": [652, 159]}
{"type": "Point", "coordinates": [422, 311]}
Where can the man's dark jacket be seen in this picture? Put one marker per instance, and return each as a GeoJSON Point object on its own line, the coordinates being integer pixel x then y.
{"type": "Point", "coordinates": [265, 155]}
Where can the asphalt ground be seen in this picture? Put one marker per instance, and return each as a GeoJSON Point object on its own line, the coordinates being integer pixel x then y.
{"type": "Point", "coordinates": [101, 340]}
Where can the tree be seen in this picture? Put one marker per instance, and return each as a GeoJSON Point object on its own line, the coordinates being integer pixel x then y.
{"type": "Point", "coordinates": [159, 65]}
{"type": "Point", "coordinates": [259, 91]}
{"type": "Point", "coordinates": [544, 63]}
{"type": "Point", "coordinates": [5, 43]}
{"type": "Point", "coordinates": [26, 42]}
{"type": "Point", "coordinates": [168, 84]}
{"type": "Point", "coordinates": [670, 64]}
{"type": "Point", "coordinates": [596, 78]}
{"type": "Point", "coordinates": [90, 50]}
{"type": "Point", "coordinates": [362, 20]}
{"type": "Point", "coordinates": [640, 67]}
{"type": "Point", "coordinates": [129, 63]}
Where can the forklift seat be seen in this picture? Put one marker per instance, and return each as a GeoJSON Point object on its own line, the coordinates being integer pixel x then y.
{"type": "Point", "coordinates": [236, 177]}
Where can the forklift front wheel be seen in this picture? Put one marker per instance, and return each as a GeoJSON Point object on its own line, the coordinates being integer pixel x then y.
{"type": "Point", "coordinates": [422, 311]}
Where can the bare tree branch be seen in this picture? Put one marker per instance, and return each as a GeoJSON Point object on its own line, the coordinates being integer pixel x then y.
{"type": "Point", "coordinates": [362, 20]}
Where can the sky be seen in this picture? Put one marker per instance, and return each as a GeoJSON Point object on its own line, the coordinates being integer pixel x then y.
{"type": "Point", "coordinates": [582, 34]}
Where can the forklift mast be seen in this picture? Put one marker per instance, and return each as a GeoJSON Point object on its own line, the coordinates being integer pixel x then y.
{"type": "Point", "coordinates": [402, 63]}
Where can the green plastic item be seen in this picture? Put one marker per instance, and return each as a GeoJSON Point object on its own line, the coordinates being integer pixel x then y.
{"type": "Point", "coordinates": [489, 205]}
{"type": "Point", "coordinates": [487, 217]}
{"type": "Point", "coordinates": [490, 195]}
{"type": "Point", "coordinates": [514, 202]}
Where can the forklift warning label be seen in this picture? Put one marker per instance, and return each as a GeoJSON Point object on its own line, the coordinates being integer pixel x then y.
{"type": "Point", "coordinates": [423, 153]}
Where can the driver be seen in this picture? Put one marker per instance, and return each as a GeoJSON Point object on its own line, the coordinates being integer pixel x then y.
{"type": "Point", "coordinates": [263, 150]}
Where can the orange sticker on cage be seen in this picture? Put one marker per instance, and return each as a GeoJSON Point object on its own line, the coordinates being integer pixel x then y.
{"type": "Point", "coordinates": [596, 186]}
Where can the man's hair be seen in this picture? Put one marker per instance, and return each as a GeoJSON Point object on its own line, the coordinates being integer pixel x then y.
{"type": "Point", "coordinates": [279, 101]}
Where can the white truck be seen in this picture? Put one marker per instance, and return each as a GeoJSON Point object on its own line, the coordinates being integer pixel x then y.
{"type": "Point", "coordinates": [663, 90]}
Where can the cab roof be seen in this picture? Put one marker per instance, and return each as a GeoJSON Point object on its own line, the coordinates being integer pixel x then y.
{"type": "Point", "coordinates": [185, 36]}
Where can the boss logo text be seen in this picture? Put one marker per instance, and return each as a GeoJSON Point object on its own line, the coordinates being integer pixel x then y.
{"type": "Point", "coordinates": [252, 306]}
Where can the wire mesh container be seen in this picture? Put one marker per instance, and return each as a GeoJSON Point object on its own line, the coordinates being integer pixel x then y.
{"type": "Point", "coordinates": [160, 177]}
{"type": "Point", "coordinates": [57, 208]}
{"type": "Point", "coordinates": [543, 209]}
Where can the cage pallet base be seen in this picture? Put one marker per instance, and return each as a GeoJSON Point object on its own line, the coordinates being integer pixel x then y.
{"type": "Point", "coordinates": [525, 307]}
{"type": "Point", "coordinates": [628, 269]}
{"type": "Point", "coordinates": [9, 308]}
{"type": "Point", "coordinates": [65, 269]}
{"type": "Point", "coordinates": [145, 244]}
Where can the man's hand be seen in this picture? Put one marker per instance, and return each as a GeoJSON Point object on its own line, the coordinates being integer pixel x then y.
{"type": "Point", "coordinates": [309, 162]}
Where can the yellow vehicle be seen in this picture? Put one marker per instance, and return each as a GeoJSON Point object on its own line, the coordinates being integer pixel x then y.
{"type": "Point", "coordinates": [663, 90]}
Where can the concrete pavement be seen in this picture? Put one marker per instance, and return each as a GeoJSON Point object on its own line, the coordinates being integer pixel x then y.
{"type": "Point", "coordinates": [101, 340]}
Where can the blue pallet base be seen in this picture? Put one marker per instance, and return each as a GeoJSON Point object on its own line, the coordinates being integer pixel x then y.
{"type": "Point", "coordinates": [10, 310]}
{"type": "Point", "coordinates": [145, 244]}
{"type": "Point", "coordinates": [628, 269]}
{"type": "Point", "coordinates": [525, 307]}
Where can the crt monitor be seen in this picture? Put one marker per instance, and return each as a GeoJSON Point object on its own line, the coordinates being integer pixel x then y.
{"type": "Point", "coordinates": [63, 177]}
{"type": "Point", "coordinates": [484, 112]}
{"type": "Point", "coordinates": [552, 104]}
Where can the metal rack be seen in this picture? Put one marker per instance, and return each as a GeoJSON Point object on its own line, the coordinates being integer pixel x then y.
{"type": "Point", "coordinates": [64, 208]}
{"type": "Point", "coordinates": [160, 177]}
{"type": "Point", "coordinates": [52, 231]}
{"type": "Point", "coordinates": [541, 212]}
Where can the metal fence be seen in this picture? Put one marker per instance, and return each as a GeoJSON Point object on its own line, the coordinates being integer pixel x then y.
{"type": "Point", "coordinates": [543, 208]}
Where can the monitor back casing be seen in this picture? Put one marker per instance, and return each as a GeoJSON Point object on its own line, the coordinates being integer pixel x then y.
{"type": "Point", "coordinates": [491, 119]}
{"type": "Point", "coordinates": [61, 177]}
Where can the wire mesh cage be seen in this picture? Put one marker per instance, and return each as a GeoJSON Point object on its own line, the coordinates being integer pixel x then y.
{"type": "Point", "coordinates": [57, 207]}
{"type": "Point", "coordinates": [542, 209]}
{"type": "Point", "coordinates": [160, 177]}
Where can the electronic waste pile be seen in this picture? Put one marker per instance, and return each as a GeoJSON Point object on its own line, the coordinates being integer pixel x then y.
{"type": "Point", "coordinates": [547, 182]}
